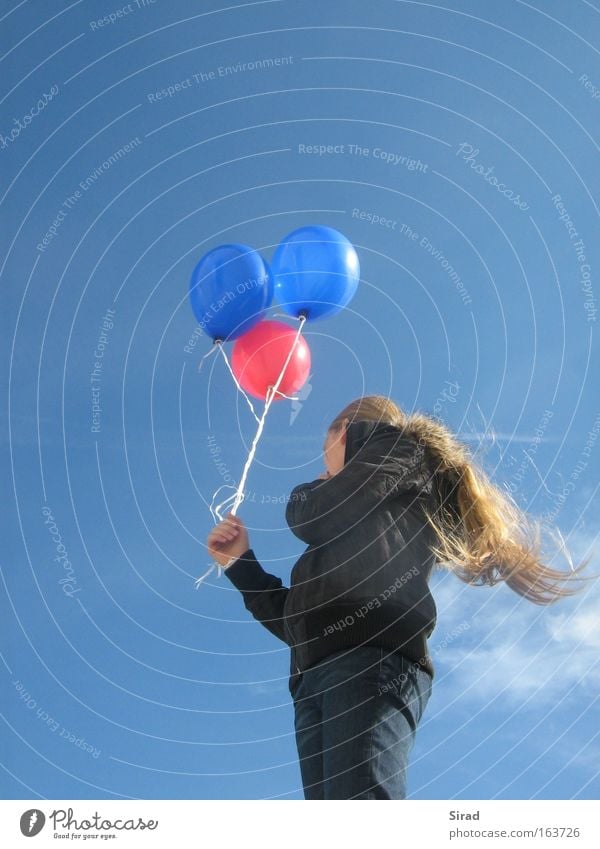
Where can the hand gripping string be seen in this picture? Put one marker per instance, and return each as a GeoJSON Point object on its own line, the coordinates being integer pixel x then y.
{"type": "Point", "coordinates": [238, 496]}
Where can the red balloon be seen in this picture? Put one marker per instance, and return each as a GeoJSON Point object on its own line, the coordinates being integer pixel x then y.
{"type": "Point", "coordinates": [259, 356]}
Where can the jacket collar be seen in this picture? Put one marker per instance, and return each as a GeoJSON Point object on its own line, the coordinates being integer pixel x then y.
{"type": "Point", "coordinates": [359, 433]}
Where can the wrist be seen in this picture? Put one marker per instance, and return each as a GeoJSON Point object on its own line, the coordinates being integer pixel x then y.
{"type": "Point", "coordinates": [230, 561]}
{"type": "Point", "coordinates": [233, 558]}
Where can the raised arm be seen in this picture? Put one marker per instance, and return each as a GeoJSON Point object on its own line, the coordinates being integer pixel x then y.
{"type": "Point", "coordinates": [389, 465]}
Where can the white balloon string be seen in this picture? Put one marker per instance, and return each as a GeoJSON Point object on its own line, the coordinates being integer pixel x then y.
{"type": "Point", "coordinates": [212, 351]}
{"type": "Point", "coordinates": [291, 397]}
{"type": "Point", "coordinates": [218, 510]}
{"type": "Point", "coordinates": [238, 496]}
{"type": "Point", "coordinates": [207, 573]}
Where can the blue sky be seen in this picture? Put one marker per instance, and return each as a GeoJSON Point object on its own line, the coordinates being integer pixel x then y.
{"type": "Point", "coordinates": [473, 126]}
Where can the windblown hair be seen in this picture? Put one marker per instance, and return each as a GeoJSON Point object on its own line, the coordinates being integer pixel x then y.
{"type": "Point", "coordinates": [483, 535]}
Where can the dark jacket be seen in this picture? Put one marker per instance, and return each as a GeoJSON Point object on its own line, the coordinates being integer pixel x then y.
{"type": "Point", "coordinates": [364, 577]}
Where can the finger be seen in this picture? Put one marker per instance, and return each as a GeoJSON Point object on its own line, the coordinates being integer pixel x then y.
{"type": "Point", "coordinates": [235, 519]}
{"type": "Point", "coordinates": [218, 538]}
{"type": "Point", "coordinates": [232, 520]}
{"type": "Point", "coordinates": [226, 526]}
{"type": "Point", "coordinates": [221, 538]}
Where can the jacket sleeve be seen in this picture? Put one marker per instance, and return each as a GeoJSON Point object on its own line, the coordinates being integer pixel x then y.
{"type": "Point", "coordinates": [321, 510]}
{"type": "Point", "coordinates": [263, 594]}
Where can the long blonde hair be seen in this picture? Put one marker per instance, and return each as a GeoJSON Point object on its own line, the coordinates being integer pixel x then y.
{"type": "Point", "coordinates": [484, 537]}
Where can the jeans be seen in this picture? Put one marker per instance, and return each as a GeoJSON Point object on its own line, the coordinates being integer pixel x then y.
{"type": "Point", "coordinates": [356, 716]}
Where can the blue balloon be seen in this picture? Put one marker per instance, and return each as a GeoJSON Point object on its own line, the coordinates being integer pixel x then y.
{"type": "Point", "coordinates": [315, 272]}
{"type": "Point", "coordinates": [231, 289]}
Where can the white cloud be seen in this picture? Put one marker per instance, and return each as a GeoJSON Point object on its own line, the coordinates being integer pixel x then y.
{"type": "Point", "coordinates": [581, 627]}
{"type": "Point", "coordinates": [515, 651]}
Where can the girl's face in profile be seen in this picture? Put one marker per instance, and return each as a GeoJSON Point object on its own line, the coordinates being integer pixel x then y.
{"type": "Point", "coordinates": [334, 449]}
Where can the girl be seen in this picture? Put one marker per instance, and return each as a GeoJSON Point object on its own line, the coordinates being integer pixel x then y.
{"type": "Point", "coordinates": [399, 496]}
